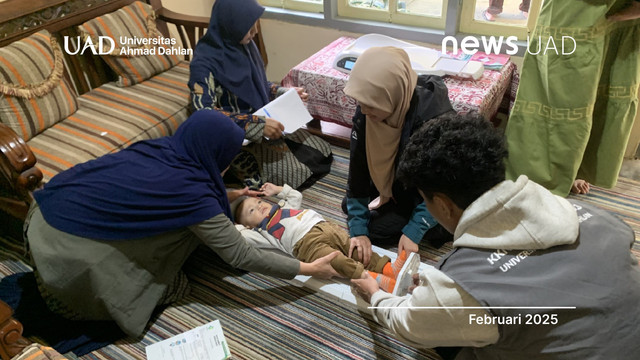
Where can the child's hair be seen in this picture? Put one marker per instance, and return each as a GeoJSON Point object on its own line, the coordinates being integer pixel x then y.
{"type": "Point", "coordinates": [237, 212]}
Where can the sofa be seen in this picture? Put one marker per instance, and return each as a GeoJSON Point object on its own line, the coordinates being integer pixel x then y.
{"type": "Point", "coordinates": [80, 79]}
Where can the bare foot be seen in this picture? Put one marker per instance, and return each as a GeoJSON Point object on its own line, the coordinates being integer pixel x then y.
{"type": "Point", "coordinates": [580, 187]}
{"type": "Point", "coordinates": [488, 17]}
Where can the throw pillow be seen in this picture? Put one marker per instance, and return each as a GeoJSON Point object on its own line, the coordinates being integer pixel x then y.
{"type": "Point", "coordinates": [139, 51]}
{"type": "Point", "coordinates": [34, 93]}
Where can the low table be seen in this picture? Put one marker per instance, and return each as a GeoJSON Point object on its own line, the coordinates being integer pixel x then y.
{"type": "Point", "coordinates": [329, 105]}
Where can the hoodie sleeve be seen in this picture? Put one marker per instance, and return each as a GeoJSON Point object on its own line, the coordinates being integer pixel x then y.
{"type": "Point", "coordinates": [443, 325]}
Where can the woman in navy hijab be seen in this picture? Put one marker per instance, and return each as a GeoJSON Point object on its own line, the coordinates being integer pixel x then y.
{"type": "Point", "coordinates": [227, 73]}
{"type": "Point", "coordinates": [107, 238]}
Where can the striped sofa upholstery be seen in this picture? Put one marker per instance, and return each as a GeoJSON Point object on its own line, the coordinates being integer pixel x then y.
{"type": "Point", "coordinates": [110, 118]}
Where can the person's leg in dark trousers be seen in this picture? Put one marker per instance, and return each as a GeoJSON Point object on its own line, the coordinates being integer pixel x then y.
{"type": "Point", "coordinates": [386, 224]}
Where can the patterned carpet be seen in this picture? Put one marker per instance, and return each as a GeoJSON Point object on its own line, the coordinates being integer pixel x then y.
{"type": "Point", "coordinates": [267, 318]}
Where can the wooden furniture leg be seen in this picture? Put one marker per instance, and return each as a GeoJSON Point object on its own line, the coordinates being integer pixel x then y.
{"type": "Point", "coordinates": [11, 340]}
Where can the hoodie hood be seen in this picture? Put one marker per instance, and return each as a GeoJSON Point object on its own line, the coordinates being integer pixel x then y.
{"type": "Point", "coordinates": [520, 215]}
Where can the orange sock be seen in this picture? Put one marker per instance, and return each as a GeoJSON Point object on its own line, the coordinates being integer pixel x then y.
{"type": "Point", "coordinates": [386, 283]}
{"type": "Point", "coordinates": [392, 270]}
{"type": "Point", "coordinates": [387, 270]}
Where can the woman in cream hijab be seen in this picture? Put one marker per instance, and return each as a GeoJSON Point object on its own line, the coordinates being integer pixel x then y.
{"type": "Point", "coordinates": [393, 101]}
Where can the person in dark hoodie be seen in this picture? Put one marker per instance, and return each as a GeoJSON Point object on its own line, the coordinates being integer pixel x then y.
{"type": "Point", "coordinates": [107, 238]}
{"type": "Point", "coordinates": [531, 274]}
{"type": "Point", "coordinates": [393, 101]}
{"type": "Point", "coordinates": [227, 73]}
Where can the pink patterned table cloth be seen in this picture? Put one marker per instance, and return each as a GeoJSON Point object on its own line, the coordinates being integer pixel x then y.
{"type": "Point", "coordinates": [328, 102]}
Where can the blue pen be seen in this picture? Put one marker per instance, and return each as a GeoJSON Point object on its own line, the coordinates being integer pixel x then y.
{"type": "Point", "coordinates": [268, 115]}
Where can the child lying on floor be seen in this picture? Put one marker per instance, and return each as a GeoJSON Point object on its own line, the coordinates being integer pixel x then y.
{"type": "Point", "coordinates": [306, 235]}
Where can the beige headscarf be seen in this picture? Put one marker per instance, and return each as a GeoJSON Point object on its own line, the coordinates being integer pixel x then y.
{"type": "Point", "coordinates": [382, 78]}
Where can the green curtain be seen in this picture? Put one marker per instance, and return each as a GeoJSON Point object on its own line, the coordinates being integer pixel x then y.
{"type": "Point", "coordinates": [574, 111]}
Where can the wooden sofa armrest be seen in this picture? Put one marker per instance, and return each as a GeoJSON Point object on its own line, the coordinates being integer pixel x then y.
{"type": "Point", "coordinates": [18, 172]}
{"type": "Point", "coordinates": [11, 340]}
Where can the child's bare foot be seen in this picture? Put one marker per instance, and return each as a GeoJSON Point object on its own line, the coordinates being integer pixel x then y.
{"type": "Point", "coordinates": [580, 187]}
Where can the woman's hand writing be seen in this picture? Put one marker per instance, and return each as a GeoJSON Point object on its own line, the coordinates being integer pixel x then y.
{"type": "Point", "coordinates": [272, 128]}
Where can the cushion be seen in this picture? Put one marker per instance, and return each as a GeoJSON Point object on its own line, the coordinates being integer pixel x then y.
{"type": "Point", "coordinates": [135, 62]}
{"type": "Point", "coordinates": [111, 117]}
{"type": "Point", "coordinates": [34, 93]}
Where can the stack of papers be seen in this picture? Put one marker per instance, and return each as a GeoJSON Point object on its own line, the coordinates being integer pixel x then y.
{"type": "Point", "coordinates": [205, 342]}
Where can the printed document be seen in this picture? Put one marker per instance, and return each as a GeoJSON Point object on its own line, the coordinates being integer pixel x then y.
{"type": "Point", "coordinates": [288, 109]}
{"type": "Point", "coordinates": [205, 342]}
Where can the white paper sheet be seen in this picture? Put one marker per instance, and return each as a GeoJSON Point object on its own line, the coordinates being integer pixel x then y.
{"type": "Point", "coordinates": [205, 342]}
{"type": "Point", "coordinates": [288, 109]}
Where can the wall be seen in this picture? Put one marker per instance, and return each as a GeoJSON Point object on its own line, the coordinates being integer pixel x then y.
{"type": "Point", "coordinates": [189, 7]}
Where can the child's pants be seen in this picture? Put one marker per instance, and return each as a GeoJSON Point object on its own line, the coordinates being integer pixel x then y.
{"type": "Point", "coordinates": [325, 238]}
